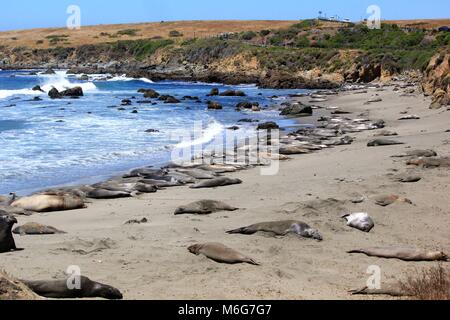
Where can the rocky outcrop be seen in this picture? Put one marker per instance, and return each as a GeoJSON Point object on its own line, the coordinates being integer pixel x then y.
{"type": "Point", "coordinates": [213, 105]}
{"type": "Point", "coordinates": [73, 92]}
{"type": "Point", "coordinates": [436, 80]}
{"type": "Point", "coordinates": [13, 289]}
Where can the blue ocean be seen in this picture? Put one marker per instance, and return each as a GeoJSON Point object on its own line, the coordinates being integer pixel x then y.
{"type": "Point", "coordinates": [46, 143]}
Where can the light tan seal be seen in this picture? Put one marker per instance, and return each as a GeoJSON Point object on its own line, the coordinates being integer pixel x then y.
{"type": "Point", "coordinates": [204, 207]}
{"type": "Point", "coordinates": [46, 203]}
{"type": "Point", "coordinates": [281, 228]}
{"type": "Point", "coordinates": [216, 182]}
{"type": "Point", "coordinates": [220, 253]}
{"type": "Point", "coordinates": [387, 200]}
{"type": "Point", "coordinates": [33, 228]}
{"type": "Point", "coordinates": [405, 254]}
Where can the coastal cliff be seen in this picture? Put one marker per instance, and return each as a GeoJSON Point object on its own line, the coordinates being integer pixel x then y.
{"type": "Point", "coordinates": [305, 55]}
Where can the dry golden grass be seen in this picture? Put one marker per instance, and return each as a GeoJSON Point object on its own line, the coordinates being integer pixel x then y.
{"type": "Point", "coordinates": [429, 284]}
{"type": "Point", "coordinates": [42, 38]}
{"type": "Point", "coordinates": [39, 38]}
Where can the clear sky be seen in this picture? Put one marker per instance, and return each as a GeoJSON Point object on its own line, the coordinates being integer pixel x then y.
{"type": "Point", "coordinates": [25, 14]}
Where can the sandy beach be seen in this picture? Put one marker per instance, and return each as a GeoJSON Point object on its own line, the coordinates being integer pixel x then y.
{"type": "Point", "coordinates": [151, 260]}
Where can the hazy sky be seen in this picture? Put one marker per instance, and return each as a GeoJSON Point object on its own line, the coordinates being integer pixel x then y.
{"type": "Point", "coordinates": [24, 14]}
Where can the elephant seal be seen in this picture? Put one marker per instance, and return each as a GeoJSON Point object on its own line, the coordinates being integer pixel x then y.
{"type": "Point", "coordinates": [430, 162]}
{"type": "Point", "coordinates": [7, 243]}
{"type": "Point", "coordinates": [387, 200]}
{"type": "Point", "coordinates": [386, 133]}
{"type": "Point", "coordinates": [216, 182]}
{"type": "Point", "coordinates": [383, 142]}
{"type": "Point", "coordinates": [292, 150]}
{"type": "Point", "coordinates": [218, 168]}
{"type": "Point", "coordinates": [406, 254]}
{"type": "Point", "coordinates": [198, 173]}
{"type": "Point", "coordinates": [14, 211]}
{"type": "Point", "coordinates": [392, 291]}
{"type": "Point", "coordinates": [281, 228]}
{"type": "Point", "coordinates": [142, 172]}
{"type": "Point", "coordinates": [33, 228]}
{"type": "Point", "coordinates": [204, 207]}
{"type": "Point", "coordinates": [107, 194]}
{"type": "Point", "coordinates": [409, 178]}
{"type": "Point", "coordinates": [58, 289]}
{"type": "Point", "coordinates": [160, 183]}
{"type": "Point", "coordinates": [46, 203]}
{"type": "Point", "coordinates": [220, 253]}
{"type": "Point", "coordinates": [417, 153]}
{"type": "Point", "coordinates": [361, 221]}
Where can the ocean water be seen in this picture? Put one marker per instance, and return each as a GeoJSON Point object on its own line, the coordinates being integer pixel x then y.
{"type": "Point", "coordinates": [67, 141]}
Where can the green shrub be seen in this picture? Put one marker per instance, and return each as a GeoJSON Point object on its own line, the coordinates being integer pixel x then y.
{"type": "Point", "coordinates": [175, 34]}
{"type": "Point", "coordinates": [249, 35]}
{"type": "Point", "coordinates": [264, 33]}
{"type": "Point", "coordinates": [128, 32]}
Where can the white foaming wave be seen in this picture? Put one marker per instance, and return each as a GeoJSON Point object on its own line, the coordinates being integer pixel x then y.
{"type": "Point", "coordinates": [8, 93]}
{"type": "Point", "coordinates": [125, 78]}
{"type": "Point", "coordinates": [208, 135]}
{"type": "Point", "coordinates": [61, 82]}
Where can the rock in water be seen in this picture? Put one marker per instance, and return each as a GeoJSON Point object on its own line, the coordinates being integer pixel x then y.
{"type": "Point", "coordinates": [297, 110]}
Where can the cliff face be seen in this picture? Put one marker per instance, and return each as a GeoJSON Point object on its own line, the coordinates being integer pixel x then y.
{"type": "Point", "coordinates": [230, 62]}
{"type": "Point", "coordinates": [436, 81]}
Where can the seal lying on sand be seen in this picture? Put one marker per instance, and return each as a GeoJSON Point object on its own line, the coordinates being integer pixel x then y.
{"type": "Point", "coordinates": [417, 153]}
{"type": "Point", "coordinates": [387, 200]}
{"type": "Point", "coordinates": [361, 221]}
{"type": "Point", "coordinates": [220, 253]}
{"type": "Point", "coordinates": [204, 207]}
{"type": "Point", "coordinates": [430, 162]}
{"type": "Point", "coordinates": [406, 254]}
{"type": "Point", "coordinates": [45, 203]}
{"type": "Point", "coordinates": [216, 182]}
{"type": "Point", "coordinates": [292, 150]}
{"type": "Point", "coordinates": [58, 289]}
{"type": "Point", "coordinates": [198, 173]}
{"type": "Point", "coordinates": [33, 228]}
{"type": "Point", "coordinates": [107, 194]}
{"type": "Point", "coordinates": [7, 243]}
{"type": "Point", "coordinates": [386, 133]}
{"type": "Point", "coordinates": [409, 178]}
{"type": "Point", "coordinates": [383, 142]}
{"type": "Point", "coordinates": [385, 291]}
{"type": "Point", "coordinates": [281, 228]}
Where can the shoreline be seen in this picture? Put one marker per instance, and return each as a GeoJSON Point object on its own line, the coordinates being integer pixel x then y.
{"type": "Point", "coordinates": [150, 261]}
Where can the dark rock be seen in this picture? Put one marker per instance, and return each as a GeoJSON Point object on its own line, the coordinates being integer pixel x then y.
{"type": "Point", "coordinates": [248, 120]}
{"type": "Point", "coordinates": [54, 94]}
{"type": "Point", "coordinates": [244, 105]}
{"type": "Point", "coordinates": [73, 92]}
{"type": "Point", "coordinates": [151, 131]}
{"type": "Point", "coordinates": [234, 128]}
{"type": "Point", "coordinates": [268, 126]}
{"type": "Point", "coordinates": [297, 110]}
{"type": "Point", "coordinates": [212, 105]}
{"type": "Point", "coordinates": [49, 71]}
{"type": "Point", "coordinates": [169, 99]}
{"type": "Point", "coordinates": [149, 93]}
{"type": "Point", "coordinates": [37, 88]}
{"type": "Point", "coordinates": [213, 92]}
{"type": "Point", "coordinates": [134, 111]}
{"type": "Point", "coordinates": [233, 93]}
{"type": "Point", "coordinates": [126, 102]}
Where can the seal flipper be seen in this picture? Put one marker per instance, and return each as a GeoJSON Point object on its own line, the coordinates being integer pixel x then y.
{"type": "Point", "coordinates": [244, 230]}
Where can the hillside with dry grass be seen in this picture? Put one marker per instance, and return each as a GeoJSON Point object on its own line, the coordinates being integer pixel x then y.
{"type": "Point", "coordinates": [45, 38]}
{"type": "Point", "coordinates": [87, 35]}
